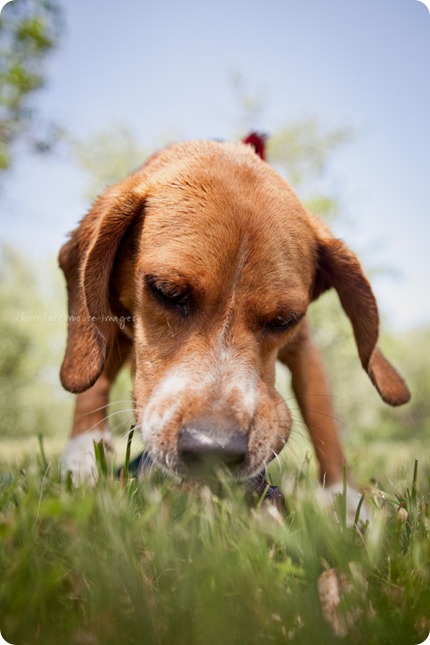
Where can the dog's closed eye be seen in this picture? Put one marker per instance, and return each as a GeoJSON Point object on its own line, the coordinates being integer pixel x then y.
{"type": "Point", "coordinates": [169, 294]}
{"type": "Point", "coordinates": [281, 323]}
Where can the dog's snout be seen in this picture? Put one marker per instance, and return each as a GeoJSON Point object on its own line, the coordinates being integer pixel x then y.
{"type": "Point", "coordinates": [207, 443]}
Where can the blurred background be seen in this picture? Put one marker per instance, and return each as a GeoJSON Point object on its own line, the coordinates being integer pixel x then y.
{"type": "Point", "coordinates": [89, 89]}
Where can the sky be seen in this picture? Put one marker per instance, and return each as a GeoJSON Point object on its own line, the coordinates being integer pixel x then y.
{"type": "Point", "coordinates": [163, 67]}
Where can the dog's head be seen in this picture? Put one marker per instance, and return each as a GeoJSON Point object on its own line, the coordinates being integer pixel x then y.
{"type": "Point", "coordinates": [210, 254]}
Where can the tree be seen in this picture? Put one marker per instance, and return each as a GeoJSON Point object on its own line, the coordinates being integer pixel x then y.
{"type": "Point", "coordinates": [107, 156]}
{"type": "Point", "coordinates": [32, 332]}
{"type": "Point", "coordinates": [29, 30]}
{"type": "Point", "coordinates": [301, 150]}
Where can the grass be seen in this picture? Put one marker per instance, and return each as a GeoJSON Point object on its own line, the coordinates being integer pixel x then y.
{"type": "Point", "coordinates": [155, 562]}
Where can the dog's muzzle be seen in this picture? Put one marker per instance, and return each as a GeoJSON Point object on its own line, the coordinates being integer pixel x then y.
{"type": "Point", "coordinates": [207, 443]}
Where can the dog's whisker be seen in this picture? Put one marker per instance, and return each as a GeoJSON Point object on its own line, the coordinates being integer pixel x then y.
{"type": "Point", "coordinates": [323, 432]}
{"type": "Point", "coordinates": [125, 433]}
{"type": "Point", "coordinates": [316, 395]}
{"type": "Point", "coordinates": [298, 420]}
{"type": "Point", "coordinates": [102, 407]}
{"type": "Point", "coordinates": [107, 417]}
{"type": "Point", "coordinates": [312, 411]}
{"type": "Point", "coordinates": [322, 414]}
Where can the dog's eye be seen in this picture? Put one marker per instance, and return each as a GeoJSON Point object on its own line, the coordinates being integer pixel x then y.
{"type": "Point", "coordinates": [169, 295]}
{"type": "Point", "coordinates": [282, 323]}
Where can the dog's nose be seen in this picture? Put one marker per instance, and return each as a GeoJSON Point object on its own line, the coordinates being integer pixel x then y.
{"type": "Point", "coordinates": [209, 442]}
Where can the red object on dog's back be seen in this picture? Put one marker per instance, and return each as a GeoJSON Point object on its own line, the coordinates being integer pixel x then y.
{"type": "Point", "coordinates": [258, 141]}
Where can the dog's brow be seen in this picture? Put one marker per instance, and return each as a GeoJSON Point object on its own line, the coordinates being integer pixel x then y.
{"type": "Point", "coordinates": [290, 304]}
{"type": "Point", "coordinates": [170, 279]}
{"type": "Point", "coordinates": [167, 282]}
{"type": "Point", "coordinates": [296, 313]}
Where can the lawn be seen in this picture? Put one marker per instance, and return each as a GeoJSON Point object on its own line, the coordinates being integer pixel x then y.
{"type": "Point", "coordinates": [157, 562]}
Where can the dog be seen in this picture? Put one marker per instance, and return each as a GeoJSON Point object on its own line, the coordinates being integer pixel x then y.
{"type": "Point", "coordinates": [199, 268]}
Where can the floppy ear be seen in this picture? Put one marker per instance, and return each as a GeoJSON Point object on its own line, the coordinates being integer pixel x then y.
{"type": "Point", "coordinates": [87, 260]}
{"type": "Point", "coordinates": [338, 267]}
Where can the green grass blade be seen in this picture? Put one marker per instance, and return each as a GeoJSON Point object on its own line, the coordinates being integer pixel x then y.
{"type": "Point", "coordinates": [127, 455]}
{"type": "Point", "coordinates": [100, 456]}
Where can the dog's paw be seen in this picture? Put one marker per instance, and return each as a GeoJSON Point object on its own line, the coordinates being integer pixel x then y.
{"type": "Point", "coordinates": [79, 457]}
{"type": "Point", "coordinates": [353, 498]}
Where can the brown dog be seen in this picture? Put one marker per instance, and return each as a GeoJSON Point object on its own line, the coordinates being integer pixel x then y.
{"type": "Point", "coordinates": [201, 266]}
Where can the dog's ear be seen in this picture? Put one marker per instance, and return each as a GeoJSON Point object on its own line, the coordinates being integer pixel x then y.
{"type": "Point", "coordinates": [338, 267]}
{"type": "Point", "coordinates": [87, 261]}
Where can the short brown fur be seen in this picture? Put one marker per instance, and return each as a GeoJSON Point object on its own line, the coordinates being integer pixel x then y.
{"type": "Point", "coordinates": [217, 221]}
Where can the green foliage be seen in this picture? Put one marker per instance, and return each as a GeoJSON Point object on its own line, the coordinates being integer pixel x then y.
{"type": "Point", "coordinates": [29, 30]}
{"type": "Point", "coordinates": [413, 420]}
{"type": "Point", "coordinates": [32, 336]}
{"type": "Point", "coordinates": [303, 147]}
{"type": "Point", "coordinates": [300, 150]}
{"type": "Point", "coordinates": [107, 156]}
{"type": "Point", "coordinates": [157, 563]}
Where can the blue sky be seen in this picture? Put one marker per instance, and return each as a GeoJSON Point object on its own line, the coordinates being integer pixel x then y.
{"type": "Point", "coordinates": [162, 66]}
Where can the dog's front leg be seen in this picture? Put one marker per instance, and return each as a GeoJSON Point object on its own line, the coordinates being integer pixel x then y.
{"type": "Point", "coordinates": [312, 390]}
{"type": "Point", "coordinates": [89, 421]}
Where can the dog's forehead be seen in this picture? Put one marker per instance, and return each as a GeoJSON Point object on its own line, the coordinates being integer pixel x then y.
{"type": "Point", "coordinates": [211, 219]}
